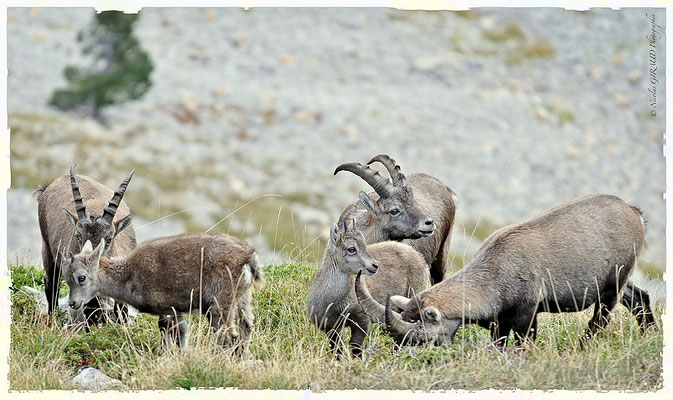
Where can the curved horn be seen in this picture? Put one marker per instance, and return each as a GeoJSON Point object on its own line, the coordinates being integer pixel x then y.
{"type": "Point", "coordinates": [370, 306]}
{"type": "Point", "coordinates": [79, 202]}
{"type": "Point", "coordinates": [400, 301]}
{"type": "Point", "coordinates": [393, 169]}
{"type": "Point", "coordinates": [394, 324]}
{"type": "Point", "coordinates": [111, 209]}
{"type": "Point", "coordinates": [381, 185]}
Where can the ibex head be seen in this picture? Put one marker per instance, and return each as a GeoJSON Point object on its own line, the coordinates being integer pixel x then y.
{"type": "Point", "coordinates": [349, 250]}
{"type": "Point", "coordinates": [396, 211]}
{"type": "Point", "coordinates": [102, 228]}
{"type": "Point", "coordinates": [81, 274]}
{"type": "Point", "coordinates": [420, 321]}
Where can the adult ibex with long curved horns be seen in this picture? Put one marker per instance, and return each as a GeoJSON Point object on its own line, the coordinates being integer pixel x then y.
{"type": "Point", "coordinates": [577, 254]}
{"type": "Point", "coordinates": [73, 209]}
{"type": "Point", "coordinates": [418, 207]}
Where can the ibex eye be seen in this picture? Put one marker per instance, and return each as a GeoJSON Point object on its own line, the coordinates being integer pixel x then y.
{"type": "Point", "coordinates": [81, 278]}
{"type": "Point", "coordinates": [351, 250]}
{"type": "Point", "coordinates": [394, 211]}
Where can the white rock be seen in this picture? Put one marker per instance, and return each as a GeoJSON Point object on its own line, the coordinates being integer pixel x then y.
{"type": "Point", "coordinates": [93, 379]}
{"type": "Point", "coordinates": [41, 300]}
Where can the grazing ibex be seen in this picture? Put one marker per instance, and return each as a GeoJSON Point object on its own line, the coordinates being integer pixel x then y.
{"type": "Point", "coordinates": [417, 207]}
{"type": "Point", "coordinates": [209, 273]}
{"type": "Point", "coordinates": [574, 255]}
{"type": "Point", "coordinates": [96, 213]}
{"type": "Point", "coordinates": [393, 268]}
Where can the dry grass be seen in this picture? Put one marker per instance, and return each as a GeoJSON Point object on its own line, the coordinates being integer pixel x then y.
{"type": "Point", "coordinates": [287, 352]}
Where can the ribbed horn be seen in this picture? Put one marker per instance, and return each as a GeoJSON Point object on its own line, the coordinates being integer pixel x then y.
{"type": "Point", "coordinates": [111, 209]}
{"type": "Point", "coordinates": [380, 184]}
{"type": "Point", "coordinates": [79, 202]}
{"type": "Point", "coordinates": [393, 169]}
{"type": "Point", "coordinates": [370, 306]}
{"type": "Point", "coordinates": [394, 325]}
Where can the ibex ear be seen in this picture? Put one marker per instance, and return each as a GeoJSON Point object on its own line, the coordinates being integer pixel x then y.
{"type": "Point", "coordinates": [71, 217]}
{"type": "Point", "coordinates": [87, 248]}
{"type": "Point", "coordinates": [98, 251]}
{"type": "Point", "coordinates": [367, 202]}
{"type": "Point", "coordinates": [400, 301]}
{"type": "Point", "coordinates": [334, 235]}
{"type": "Point", "coordinates": [123, 223]}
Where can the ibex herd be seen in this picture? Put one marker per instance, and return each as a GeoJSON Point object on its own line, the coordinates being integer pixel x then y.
{"type": "Point", "coordinates": [578, 254]}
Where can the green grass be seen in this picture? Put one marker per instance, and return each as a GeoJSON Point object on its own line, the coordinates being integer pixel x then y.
{"type": "Point", "coordinates": [288, 352]}
{"type": "Point", "coordinates": [536, 49]}
{"type": "Point", "coordinates": [652, 270]}
{"type": "Point", "coordinates": [518, 47]}
{"type": "Point", "coordinates": [479, 229]}
{"type": "Point", "coordinates": [504, 34]}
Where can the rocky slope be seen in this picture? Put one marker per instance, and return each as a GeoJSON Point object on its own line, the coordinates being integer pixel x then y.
{"type": "Point", "coordinates": [516, 110]}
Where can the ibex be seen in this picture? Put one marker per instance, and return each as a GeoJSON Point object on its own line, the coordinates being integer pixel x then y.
{"type": "Point", "coordinates": [96, 213]}
{"type": "Point", "coordinates": [574, 255]}
{"type": "Point", "coordinates": [392, 267]}
{"type": "Point", "coordinates": [209, 273]}
{"type": "Point", "coordinates": [419, 207]}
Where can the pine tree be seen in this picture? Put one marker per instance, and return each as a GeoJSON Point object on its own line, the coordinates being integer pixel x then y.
{"type": "Point", "coordinates": [119, 69]}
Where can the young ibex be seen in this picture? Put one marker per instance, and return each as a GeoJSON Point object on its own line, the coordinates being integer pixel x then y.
{"type": "Point", "coordinates": [96, 213]}
{"type": "Point", "coordinates": [392, 267]}
{"type": "Point", "coordinates": [419, 207]}
{"type": "Point", "coordinates": [574, 255]}
{"type": "Point", "coordinates": [209, 273]}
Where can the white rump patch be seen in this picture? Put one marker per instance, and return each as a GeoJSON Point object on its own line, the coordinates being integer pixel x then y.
{"type": "Point", "coordinates": [247, 275]}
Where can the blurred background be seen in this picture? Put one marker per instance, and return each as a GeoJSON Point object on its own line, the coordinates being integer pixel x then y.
{"type": "Point", "coordinates": [235, 120]}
